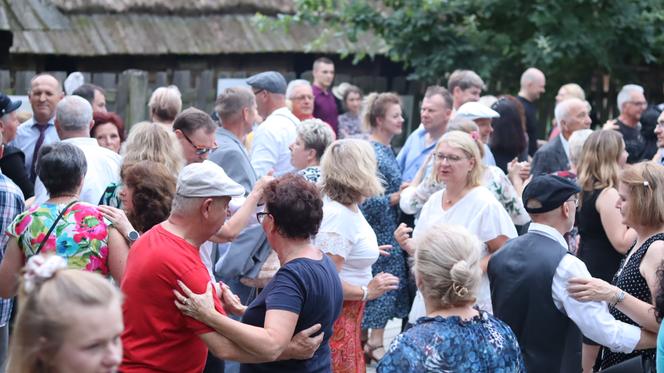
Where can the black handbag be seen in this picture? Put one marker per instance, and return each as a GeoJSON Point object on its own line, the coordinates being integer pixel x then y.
{"type": "Point", "coordinates": [637, 364]}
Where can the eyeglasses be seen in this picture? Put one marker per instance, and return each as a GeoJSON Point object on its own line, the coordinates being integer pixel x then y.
{"type": "Point", "coordinates": [638, 103]}
{"type": "Point", "coordinates": [200, 150]}
{"type": "Point", "coordinates": [260, 216]}
{"type": "Point", "coordinates": [450, 158]}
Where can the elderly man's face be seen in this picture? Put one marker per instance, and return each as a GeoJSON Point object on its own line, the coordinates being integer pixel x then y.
{"type": "Point", "coordinates": [8, 125]}
{"type": "Point", "coordinates": [323, 74]}
{"type": "Point", "coordinates": [302, 98]}
{"type": "Point", "coordinates": [577, 118]}
{"type": "Point", "coordinates": [634, 107]}
{"type": "Point", "coordinates": [659, 130]}
{"type": "Point", "coordinates": [45, 93]}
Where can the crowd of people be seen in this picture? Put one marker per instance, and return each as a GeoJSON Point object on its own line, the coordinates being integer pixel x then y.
{"type": "Point", "coordinates": [283, 232]}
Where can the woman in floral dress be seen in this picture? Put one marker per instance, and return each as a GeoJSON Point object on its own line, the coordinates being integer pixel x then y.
{"type": "Point", "coordinates": [81, 236]}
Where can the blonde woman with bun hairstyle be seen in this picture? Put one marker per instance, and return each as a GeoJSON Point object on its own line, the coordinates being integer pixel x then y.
{"type": "Point", "coordinates": [68, 320]}
{"type": "Point", "coordinates": [463, 201]}
{"type": "Point", "coordinates": [447, 271]}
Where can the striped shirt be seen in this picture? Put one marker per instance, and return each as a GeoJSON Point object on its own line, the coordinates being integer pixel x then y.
{"type": "Point", "coordinates": [11, 204]}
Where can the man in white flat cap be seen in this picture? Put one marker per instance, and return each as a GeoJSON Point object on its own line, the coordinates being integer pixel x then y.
{"type": "Point", "coordinates": [157, 336]}
{"type": "Point", "coordinates": [482, 116]}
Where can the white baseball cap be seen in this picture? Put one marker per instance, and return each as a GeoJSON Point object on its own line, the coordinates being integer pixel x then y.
{"type": "Point", "coordinates": [206, 179]}
{"type": "Point", "coordinates": [474, 110]}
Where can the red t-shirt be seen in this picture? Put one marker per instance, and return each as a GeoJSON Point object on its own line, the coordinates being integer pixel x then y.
{"type": "Point", "coordinates": [157, 336]}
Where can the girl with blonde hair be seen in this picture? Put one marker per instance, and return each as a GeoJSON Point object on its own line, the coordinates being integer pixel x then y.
{"type": "Point", "coordinates": [462, 201]}
{"type": "Point", "coordinates": [348, 177]}
{"type": "Point", "coordinates": [604, 237]}
{"type": "Point", "coordinates": [68, 320]}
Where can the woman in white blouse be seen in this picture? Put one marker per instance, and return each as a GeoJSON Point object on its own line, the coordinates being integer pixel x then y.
{"type": "Point", "coordinates": [463, 201]}
{"type": "Point", "coordinates": [348, 170]}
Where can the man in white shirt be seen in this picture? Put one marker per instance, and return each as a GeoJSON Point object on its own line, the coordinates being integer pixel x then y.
{"type": "Point", "coordinates": [278, 130]}
{"type": "Point", "coordinates": [73, 122]}
{"type": "Point", "coordinates": [529, 277]}
{"type": "Point", "coordinates": [45, 93]}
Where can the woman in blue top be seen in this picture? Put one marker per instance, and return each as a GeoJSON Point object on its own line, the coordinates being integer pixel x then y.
{"type": "Point", "coordinates": [454, 336]}
{"type": "Point", "coordinates": [304, 292]}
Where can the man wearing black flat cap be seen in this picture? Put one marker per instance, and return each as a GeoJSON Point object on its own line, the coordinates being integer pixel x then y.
{"type": "Point", "coordinates": [12, 162]}
{"type": "Point", "coordinates": [529, 277]}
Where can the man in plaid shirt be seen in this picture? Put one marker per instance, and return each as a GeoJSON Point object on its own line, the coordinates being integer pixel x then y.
{"type": "Point", "coordinates": [11, 204]}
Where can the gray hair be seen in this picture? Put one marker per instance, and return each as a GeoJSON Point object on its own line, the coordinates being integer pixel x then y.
{"type": "Point", "coordinates": [73, 113]}
{"type": "Point", "coordinates": [464, 79]}
{"type": "Point", "coordinates": [61, 167]}
{"type": "Point", "coordinates": [576, 142]}
{"type": "Point", "coordinates": [562, 109]}
{"type": "Point", "coordinates": [316, 135]}
{"type": "Point", "coordinates": [185, 206]}
{"type": "Point", "coordinates": [294, 84]}
{"type": "Point", "coordinates": [231, 102]}
{"type": "Point", "coordinates": [625, 93]}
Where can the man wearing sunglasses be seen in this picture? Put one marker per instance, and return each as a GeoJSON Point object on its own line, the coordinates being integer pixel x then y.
{"type": "Point", "coordinates": [272, 138]}
{"type": "Point", "coordinates": [194, 129]}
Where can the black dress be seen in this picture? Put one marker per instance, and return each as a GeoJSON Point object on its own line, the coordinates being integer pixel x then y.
{"type": "Point", "coordinates": [12, 165]}
{"type": "Point", "coordinates": [630, 280]}
{"type": "Point", "coordinates": [595, 249]}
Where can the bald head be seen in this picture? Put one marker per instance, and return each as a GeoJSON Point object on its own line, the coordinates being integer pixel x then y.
{"type": "Point", "coordinates": [533, 82]}
{"type": "Point", "coordinates": [45, 93]}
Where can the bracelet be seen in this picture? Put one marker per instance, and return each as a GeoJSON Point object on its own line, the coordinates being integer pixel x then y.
{"type": "Point", "coordinates": [365, 293]}
{"type": "Point", "coordinates": [620, 296]}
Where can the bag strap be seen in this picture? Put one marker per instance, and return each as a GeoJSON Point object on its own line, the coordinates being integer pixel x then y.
{"type": "Point", "coordinates": [55, 222]}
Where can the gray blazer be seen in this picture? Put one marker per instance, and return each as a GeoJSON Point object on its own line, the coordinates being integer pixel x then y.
{"type": "Point", "coordinates": [250, 249]}
{"type": "Point", "coordinates": [550, 158]}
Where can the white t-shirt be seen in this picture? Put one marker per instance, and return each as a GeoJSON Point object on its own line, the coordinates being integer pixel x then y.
{"type": "Point", "coordinates": [478, 211]}
{"type": "Point", "coordinates": [346, 233]}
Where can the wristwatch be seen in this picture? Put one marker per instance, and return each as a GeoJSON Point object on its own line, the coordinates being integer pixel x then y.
{"type": "Point", "coordinates": [132, 236]}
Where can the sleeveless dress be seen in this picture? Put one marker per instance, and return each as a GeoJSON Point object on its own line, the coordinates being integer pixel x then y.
{"type": "Point", "coordinates": [595, 249]}
{"type": "Point", "coordinates": [630, 280]}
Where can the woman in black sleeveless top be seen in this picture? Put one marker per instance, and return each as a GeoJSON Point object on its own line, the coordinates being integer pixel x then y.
{"type": "Point", "coordinates": [604, 238]}
{"type": "Point", "coordinates": [641, 204]}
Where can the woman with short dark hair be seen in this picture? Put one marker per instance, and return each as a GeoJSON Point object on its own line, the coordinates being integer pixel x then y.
{"type": "Point", "coordinates": [304, 292]}
{"type": "Point", "coordinates": [74, 230]}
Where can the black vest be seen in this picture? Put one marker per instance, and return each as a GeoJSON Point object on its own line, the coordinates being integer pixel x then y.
{"type": "Point", "coordinates": [521, 274]}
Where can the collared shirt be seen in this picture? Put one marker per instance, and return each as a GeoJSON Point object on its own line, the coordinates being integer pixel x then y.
{"type": "Point", "coordinates": [271, 140]}
{"type": "Point", "coordinates": [413, 154]}
{"type": "Point", "coordinates": [103, 169]}
{"type": "Point", "coordinates": [26, 139]}
{"type": "Point", "coordinates": [11, 204]}
{"type": "Point", "coordinates": [565, 145]}
{"type": "Point", "coordinates": [325, 107]}
{"type": "Point", "coordinates": [592, 318]}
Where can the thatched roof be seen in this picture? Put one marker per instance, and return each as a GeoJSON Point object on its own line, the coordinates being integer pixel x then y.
{"type": "Point", "coordinates": [180, 7]}
{"type": "Point", "coordinates": [75, 28]}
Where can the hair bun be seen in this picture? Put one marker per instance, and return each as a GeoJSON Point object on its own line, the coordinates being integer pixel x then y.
{"type": "Point", "coordinates": [41, 268]}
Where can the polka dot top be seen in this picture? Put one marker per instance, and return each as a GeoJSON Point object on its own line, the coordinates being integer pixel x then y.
{"type": "Point", "coordinates": [629, 279]}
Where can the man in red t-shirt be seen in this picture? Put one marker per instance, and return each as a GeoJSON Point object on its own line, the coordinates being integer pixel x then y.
{"type": "Point", "coordinates": [157, 337]}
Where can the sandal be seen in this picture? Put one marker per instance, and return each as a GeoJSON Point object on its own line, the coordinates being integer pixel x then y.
{"type": "Point", "coordinates": [370, 353]}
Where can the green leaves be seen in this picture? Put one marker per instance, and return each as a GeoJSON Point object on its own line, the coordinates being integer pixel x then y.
{"type": "Point", "coordinates": [565, 38]}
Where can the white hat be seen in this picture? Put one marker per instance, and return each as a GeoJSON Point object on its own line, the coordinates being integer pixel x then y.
{"type": "Point", "coordinates": [474, 110]}
{"type": "Point", "coordinates": [206, 179]}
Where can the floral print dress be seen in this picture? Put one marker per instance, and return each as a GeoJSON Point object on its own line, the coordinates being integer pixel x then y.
{"type": "Point", "coordinates": [80, 236]}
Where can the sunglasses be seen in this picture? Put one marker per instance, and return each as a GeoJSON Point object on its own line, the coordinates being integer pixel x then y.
{"type": "Point", "coordinates": [200, 150]}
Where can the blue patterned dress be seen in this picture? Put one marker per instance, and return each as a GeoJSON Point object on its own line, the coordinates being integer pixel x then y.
{"type": "Point", "coordinates": [383, 219]}
{"type": "Point", "coordinates": [439, 344]}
